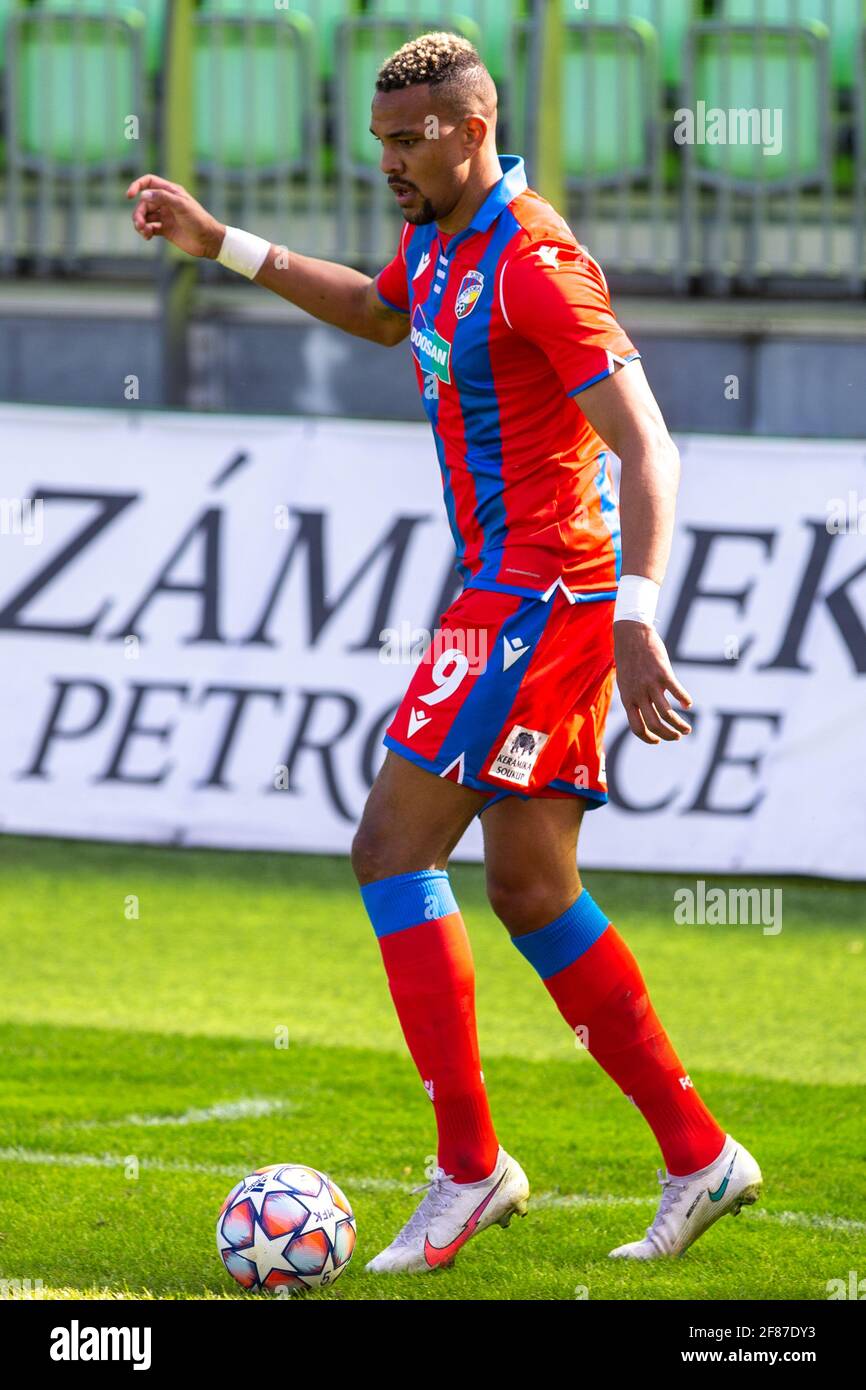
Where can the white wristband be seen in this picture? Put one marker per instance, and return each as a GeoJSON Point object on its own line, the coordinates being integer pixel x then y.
{"type": "Point", "coordinates": [636, 600]}
{"type": "Point", "coordinates": [243, 252]}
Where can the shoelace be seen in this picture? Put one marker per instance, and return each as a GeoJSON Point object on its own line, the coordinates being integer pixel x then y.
{"type": "Point", "coordinates": [431, 1205]}
{"type": "Point", "coordinates": [672, 1191]}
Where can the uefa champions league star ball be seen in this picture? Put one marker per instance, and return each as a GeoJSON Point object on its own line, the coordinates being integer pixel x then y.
{"type": "Point", "coordinates": [285, 1227]}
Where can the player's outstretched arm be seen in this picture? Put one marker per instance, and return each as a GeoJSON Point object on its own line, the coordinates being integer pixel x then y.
{"type": "Point", "coordinates": [334, 293]}
{"type": "Point", "coordinates": [624, 412]}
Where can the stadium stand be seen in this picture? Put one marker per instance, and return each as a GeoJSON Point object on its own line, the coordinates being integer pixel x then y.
{"type": "Point", "coordinates": [280, 103]}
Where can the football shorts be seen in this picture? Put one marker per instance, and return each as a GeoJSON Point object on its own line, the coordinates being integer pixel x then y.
{"type": "Point", "coordinates": [512, 695]}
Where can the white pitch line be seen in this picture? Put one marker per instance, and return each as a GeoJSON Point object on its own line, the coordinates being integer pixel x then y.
{"type": "Point", "coordinates": [804, 1219]}
{"type": "Point", "coordinates": [224, 1111]}
{"type": "Point", "coordinates": [158, 1165]}
{"type": "Point", "coordinates": [585, 1199]}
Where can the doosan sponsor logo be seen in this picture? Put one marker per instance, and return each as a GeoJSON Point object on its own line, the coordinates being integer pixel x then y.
{"type": "Point", "coordinates": [76, 1343]}
{"type": "Point", "coordinates": [430, 349]}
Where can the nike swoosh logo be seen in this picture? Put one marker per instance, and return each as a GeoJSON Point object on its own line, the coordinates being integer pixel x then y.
{"type": "Point", "coordinates": [441, 1254]}
{"type": "Point", "coordinates": [722, 1188]}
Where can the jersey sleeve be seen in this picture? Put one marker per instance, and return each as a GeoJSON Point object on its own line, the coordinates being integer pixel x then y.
{"type": "Point", "coordinates": [556, 295]}
{"type": "Point", "coordinates": [391, 285]}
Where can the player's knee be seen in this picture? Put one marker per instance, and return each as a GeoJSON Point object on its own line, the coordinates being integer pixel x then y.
{"type": "Point", "coordinates": [368, 854]}
{"type": "Point", "coordinates": [521, 903]}
{"type": "Point", "coordinates": [379, 850]}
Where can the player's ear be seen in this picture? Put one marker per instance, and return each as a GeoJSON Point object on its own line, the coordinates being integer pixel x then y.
{"type": "Point", "coordinates": [474, 133]}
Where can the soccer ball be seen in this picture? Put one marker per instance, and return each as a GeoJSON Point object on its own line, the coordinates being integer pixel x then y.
{"type": "Point", "coordinates": [285, 1227]}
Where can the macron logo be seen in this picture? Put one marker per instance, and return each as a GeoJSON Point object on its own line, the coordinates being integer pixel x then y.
{"type": "Point", "coordinates": [515, 648]}
{"type": "Point", "coordinates": [417, 720]}
{"type": "Point", "coordinates": [548, 254]}
{"type": "Point", "coordinates": [76, 1343]}
{"type": "Point", "coordinates": [422, 265]}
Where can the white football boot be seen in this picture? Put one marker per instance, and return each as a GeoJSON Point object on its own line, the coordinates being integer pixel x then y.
{"type": "Point", "coordinates": [690, 1205]}
{"type": "Point", "coordinates": [450, 1214]}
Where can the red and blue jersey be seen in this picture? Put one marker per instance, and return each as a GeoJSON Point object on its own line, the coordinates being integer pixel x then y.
{"type": "Point", "coordinates": [510, 320]}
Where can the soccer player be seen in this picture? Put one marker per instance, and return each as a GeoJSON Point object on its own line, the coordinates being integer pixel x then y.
{"type": "Point", "coordinates": [525, 376]}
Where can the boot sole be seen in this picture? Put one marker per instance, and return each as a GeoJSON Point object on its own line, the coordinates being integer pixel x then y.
{"type": "Point", "coordinates": [520, 1208]}
{"type": "Point", "coordinates": [747, 1197]}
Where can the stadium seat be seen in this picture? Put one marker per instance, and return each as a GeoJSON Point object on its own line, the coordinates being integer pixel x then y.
{"type": "Point", "coordinates": [731, 69]}
{"type": "Point", "coordinates": [324, 15]}
{"type": "Point", "coordinates": [362, 46]}
{"type": "Point", "coordinates": [253, 102]}
{"type": "Point", "coordinates": [93, 67]}
{"type": "Point", "coordinates": [669, 18]}
{"type": "Point", "coordinates": [495, 20]}
{"type": "Point", "coordinates": [845, 20]}
{"type": "Point", "coordinates": [154, 12]}
{"type": "Point", "coordinates": [606, 68]}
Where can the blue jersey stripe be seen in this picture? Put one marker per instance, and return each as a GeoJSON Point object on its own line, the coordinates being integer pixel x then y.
{"type": "Point", "coordinates": [601, 376]}
{"type": "Point", "coordinates": [450, 505]}
{"type": "Point", "coordinates": [495, 690]}
{"type": "Point", "coordinates": [479, 404]}
{"type": "Point", "coordinates": [419, 246]}
{"type": "Point", "coordinates": [609, 510]}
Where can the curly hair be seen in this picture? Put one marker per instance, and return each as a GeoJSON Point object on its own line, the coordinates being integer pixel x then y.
{"type": "Point", "coordinates": [447, 62]}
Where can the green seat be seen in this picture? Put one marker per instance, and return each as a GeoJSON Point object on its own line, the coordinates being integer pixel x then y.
{"type": "Point", "coordinates": [324, 15]}
{"type": "Point", "coordinates": [606, 68]}
{"type": "Point", "coordinates": [495, 20]}
{"type": "Point", "coordinates": [362, 47]}
{"type": "Point", "coordinates": [70, 87]}
{"type": "Point", "coordinates": [154, 12]}
{"type": "Point", "coordinates": [670, 19]}
{"type": "Point", "coordinates": [252, 91]}
{"type": "Point", "coordinates": [845, 20]}
{"type": "Point", "coordinates": [731, 71]}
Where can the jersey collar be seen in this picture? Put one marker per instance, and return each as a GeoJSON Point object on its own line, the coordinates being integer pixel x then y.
{"type": "Point", "coordinates": [513, 181]}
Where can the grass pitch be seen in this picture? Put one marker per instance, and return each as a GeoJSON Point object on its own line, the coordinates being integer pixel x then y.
{"type": "Point", "coordinates": [243, 1018]}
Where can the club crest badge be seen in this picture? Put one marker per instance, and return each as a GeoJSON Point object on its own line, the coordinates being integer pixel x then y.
{"type": "Point", "coordinates": [467, 296]}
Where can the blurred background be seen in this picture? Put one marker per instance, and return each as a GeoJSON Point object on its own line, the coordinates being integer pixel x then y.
{"type": "Point", "coordinates": [729, 251]}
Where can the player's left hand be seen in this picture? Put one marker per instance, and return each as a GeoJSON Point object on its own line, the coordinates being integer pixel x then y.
{"type": "Point", "coordinates": [644, 674]}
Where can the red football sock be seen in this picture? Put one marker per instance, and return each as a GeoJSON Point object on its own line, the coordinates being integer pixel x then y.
{"type": "Point", "coordinates": [604, 991]}
{"type": "Point", "coordinates": [431, 977]}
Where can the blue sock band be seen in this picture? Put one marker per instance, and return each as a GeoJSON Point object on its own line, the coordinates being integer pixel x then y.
{"type": "Point", "coordinates": [406, 900]}
{"type": "Point", "coordinates": [551, 948]}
